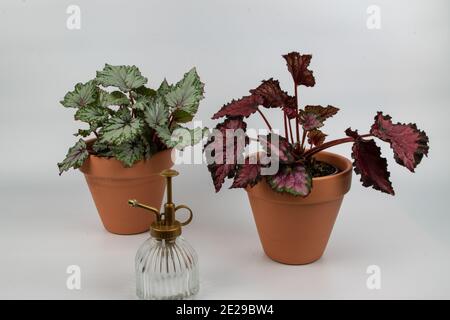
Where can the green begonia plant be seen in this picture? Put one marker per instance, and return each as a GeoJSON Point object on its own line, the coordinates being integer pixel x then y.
{"type": "Point", "coordinates": [130, 121]}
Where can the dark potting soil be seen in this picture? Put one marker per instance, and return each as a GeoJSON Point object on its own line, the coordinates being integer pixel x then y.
{"type": "Point", "coordinates": [322, 169]}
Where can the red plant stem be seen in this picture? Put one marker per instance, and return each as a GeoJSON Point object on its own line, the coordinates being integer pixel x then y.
{"type": "Point", "coordinates": [133, 112]}
{"type": "Point", "coordinates": [286, 127]}
{"type": "Point", "coordinates": [297, 131]}
{"type": "Point", "coordinates": [327, 145]}
{"type": "Point", "coordinates": [290, 131]}
{"type": "Point", "coordinates": [131, 98]}
{"type": "Point", "coordinates": [265, 119]}
{"type": "Point", "coordinates": [171, 118]}
{"type": "Point", "coordinates": [303, 140]}
{"type": "Point", "coordinates": [330, 144]}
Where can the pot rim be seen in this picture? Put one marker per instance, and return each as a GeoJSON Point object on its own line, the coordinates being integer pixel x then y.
{"type": "Point", "coordinates": [348, 168]}
{"type": "Point", "coordinates": [325, 189]}
{"type": "Point", "coordinates": [113, 169]}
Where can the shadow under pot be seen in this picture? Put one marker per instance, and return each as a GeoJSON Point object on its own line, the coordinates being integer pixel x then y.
{"type": "Point", "coordinates": [112, 185]}
{"type": "Point", "coordinates": [295, 230]}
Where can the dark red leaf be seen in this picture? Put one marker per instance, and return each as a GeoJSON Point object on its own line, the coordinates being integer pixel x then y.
{"type": "Point", "coordinates": [274, 97]}
{"type": "Point", "coordinates": [248, 174]}
{"type": "Point", "coordinates": [242, 107]}
{"type": "Point", "coordinates": [233, 141]}
{"type": "Point", "coordinates": [323, 113]}
{"type": "Point", "coordinates": [409, 143]}
{"type": "Point", "coordinates": [226, 150]}
{"type": "Point", "coordinates": [278, 147]}
{"type": "Point", "coordinates": [293, 179]}
{"type": "Point", "coordinates": [290, 107]}
{"type": "Point", "coordinates": [221, 171]}
{"type": "Point", "coordinates": [309, 121]}
{"type": "Point", "coordinates": [270, 91]}
{"type": "Point", "coordinates": [298, 67]}
{"type": "Point", "coordinates": [316, 137]}
{"type": "Point", "coordinates": [350, 133]}
{"type": "Point", "coordinates": [370, 165]}
{"type": "Point", "coordinates": [312, 117]}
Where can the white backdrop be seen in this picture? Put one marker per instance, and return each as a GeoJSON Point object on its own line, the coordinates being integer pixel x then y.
{"type": "Point", "coordinates": [48, 222]}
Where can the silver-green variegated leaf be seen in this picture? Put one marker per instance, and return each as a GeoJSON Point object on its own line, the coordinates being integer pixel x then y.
{"type": "Point", "coordinates": [165, 136]}
{"type": "Point", "coordinates": [185, 137]}
{"type": "Point", "coordinates": [181, 116]}
{"type": "Point", "coordinates": [102, 149]}
{"type": "Point", "coordinates": [115, 98]}
{"type": "Point", "coordinates": [142, 102]}
{"type": "Point", "coordinates": [75, 157]}
{"type": "Point", "coordinates": [164, 88]}
{"type": "Point", "coordinates": [130, 152]}
{"type": "Point", "coordinates": [83, 95]}
{"type": "Point", "coordinates": [126, 78]}
{"type": "Point", "coordinates": [144, 91]}
{"type": "Point", "coordinates": [186, 94]}
{"type": "Point", "coordinates": [150, 148]}
{"type": "Point", "coordinates": [156, 113]}
{"type": "Point", "coordinates": [92, 115]}
{"type": "Point", "coordinates": [121, 128]}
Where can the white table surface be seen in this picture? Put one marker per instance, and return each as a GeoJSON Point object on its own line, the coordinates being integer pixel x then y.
{"type": "Point", "coordinates": [49, 226]}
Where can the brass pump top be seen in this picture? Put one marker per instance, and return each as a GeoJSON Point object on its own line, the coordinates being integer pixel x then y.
{"type": "Point", "coordinates": [165, 227]}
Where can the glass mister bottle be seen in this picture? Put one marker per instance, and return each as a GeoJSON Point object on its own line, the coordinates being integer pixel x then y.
{"type": "Point", "coordinates": [166, 264]}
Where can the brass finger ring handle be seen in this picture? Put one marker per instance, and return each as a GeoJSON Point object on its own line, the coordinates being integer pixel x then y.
{"type": "Point", "coordinates": [189, 219]}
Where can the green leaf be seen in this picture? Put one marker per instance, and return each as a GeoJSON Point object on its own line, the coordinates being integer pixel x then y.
{"type": "Point", "coordinates": [147, 137]}
{"type": "Point", "coordinates": [187, 137]}
{"type": "Point", "coordinates": [150, 148]}
{"type": "Point", "coordinates": [164, 88]}
{"type": "Point", "coordinates": [181, 137]}
{"type": "Point", "coordinates": [102, 149]}
{"type": "Point", "coordinates": [156, 113]}
{"type": "Point", "coordinates": [81, 96]}
{"type": "Point", "coordinates": [121, 128]}
{"type": "Point", "coordinates": [144, 91]}
{"type": "Point", "coordinates": [115, 98]}
{"type": "Point", "coordinates": [181, 116]}
{"type": "Point", "coordinates": [142, 102]}
{"type": "Point", "coordinates": [126, 78]}
{"type": "Point", "coordinates": [165, 136]}
{"type": "Point", "coordinates": [186, 94]}
{"type": "Point", "coordinates": [92, 115]}
{"type": "Point", "coordinates": [75, 157]}
{"type": "Point", "coordinates": [142, 96]}
{"type": "Point", "coordinates": [130, 152]}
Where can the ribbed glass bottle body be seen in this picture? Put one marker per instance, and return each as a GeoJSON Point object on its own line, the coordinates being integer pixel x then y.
{"type": "Point", "coordinates": [166, 270]}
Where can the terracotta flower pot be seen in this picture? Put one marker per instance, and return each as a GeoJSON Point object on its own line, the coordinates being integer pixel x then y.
{"type": "Point", "coordinates": [295, 230]}
{"type": "Point", "coordinates": [112, 185]}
